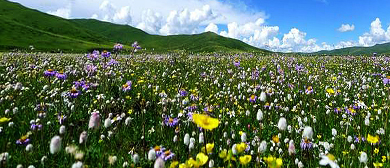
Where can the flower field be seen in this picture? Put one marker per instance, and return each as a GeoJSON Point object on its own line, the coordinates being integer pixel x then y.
{"type": "Point", "coordinates": [204, 110]}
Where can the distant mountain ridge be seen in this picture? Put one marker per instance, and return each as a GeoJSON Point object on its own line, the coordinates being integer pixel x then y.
{"type": "Point", "coordinates": [22, 27]}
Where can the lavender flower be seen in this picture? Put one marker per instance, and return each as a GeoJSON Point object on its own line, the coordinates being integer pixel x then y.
{"type": "Point", "coordinates": [50, 73]}
{"type": "Point", "coordinates": [171, 122]}
{"type": "Point", "coordinates": [73, 93]}
{"type": "Point", "coordinates": [106, 54]}
{"type": "Point", "coordinates": [60, 75]}
{"type": "Point", "coordinates": [127, 86]}
{"type": "Point", "coordinates": [306, 144]}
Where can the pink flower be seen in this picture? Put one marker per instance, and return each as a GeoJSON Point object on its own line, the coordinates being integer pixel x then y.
{"type": "Point", "coordinates": [94, 121]}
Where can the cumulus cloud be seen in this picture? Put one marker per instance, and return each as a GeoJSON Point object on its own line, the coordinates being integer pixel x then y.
{"type": "Point", "coordinates": [110, 13]}
{"type": "Point", "coordinates": [346, 28]}
{"type": "Point", "coordinates": [185, 21]}
{"type": "Point", "coordinates": [211, 28]}
{"type": "Point", "coordinates": [62, 12]}
{"type": "Point", "coordinates": [376, 35]}
{"type": "Point", "coordinates": [150, 22]}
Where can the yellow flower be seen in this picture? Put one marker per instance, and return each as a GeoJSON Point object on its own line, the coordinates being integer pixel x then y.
{"type": "Point", "coordinates": [383, 158]}
{"type": "Point", "coordinates": [209, 148]}
{"type": "Point", "coordinates": [201, 159]}
{"type": "Point", "coordinates": [183, 165]}
{"type": "Point", "coordinates": [273, 162]}
{"type": "Point", "coordinates": [376, 165]}
{"type": "Point", "coordinates": [245, 159]}
{"type": "Point", "coordinates": [330, 91]}
{"type": "Point", "coordinates": [205, 121]}
{"type": "Point", "coordinates": [4, 120]}
{"type": "Point", "coordinates": [130, 111]}
{"type": "Point", "coordinates": [223, 154]}
{"type": "Point", "coordinates": [319, 136]}
{"type": "Point", "coordinates": [241, 147]}
{"type": "Point", "coordinates": [376, 150]}
{"type": "Point", "coordinates": [372, 139]}
{"type": "Point", "coordinates": [173, 164]}
{"type": "Point", "coordinates": [275, 139]}
{"type": "Point", "coordinates": [229, 156]}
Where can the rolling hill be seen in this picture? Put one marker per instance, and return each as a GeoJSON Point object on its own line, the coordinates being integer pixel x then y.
{"type": "Point", "coordinates": [379, 48]}
{"type": "Point", "coordinates": [22, 27]}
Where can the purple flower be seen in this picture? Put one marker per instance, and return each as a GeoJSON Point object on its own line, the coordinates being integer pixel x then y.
{"type": "Point", "coordinates": [36, 126]}
{"type": "Point", "coordinates": [167, 155]}
{"type": "Point", "coordinates": [127, 86]}
{"type": "Point", "coordinates": [23, 141]}
{"type": "Point", "coordinates": [73, 93]}
{"type": "Point", "coordinates": [171, 122]}
{"type": "Point", "coordinates": [252, 99]}
{"type": "Point", "coordinates": [61, 118]}
{"type": "Point", "coordinates": [118, 46]}
{"type": "Point", "coordinates": [183, 92]}
{"type": "Point", "coordinates": [50, 72]}
{"type": "Point", "coordinates": [255, 74]}
{"type": "Point", "coordinates": [309, 90]}
{"type": "Point", "coordinates": [236, 63]}
{"type": "Point", "coordinates": [60, 75]}
{"type": "Point", "coordinates": [106, 54]}
{"type": "Point", "coordinates": [191, 108]}
{"type": "Point", "coordinates": [386, 80]}
{"type": "Point", "coordinates": [93, 56]}
{"type": "Point", "coordinates": [112, 62]}
{"type": "Point", "coordinates": [337, 110]}
{"type": "Point", "coordinates": [90, 69]}
{"type": "Point", "coordinates": [306, 144]}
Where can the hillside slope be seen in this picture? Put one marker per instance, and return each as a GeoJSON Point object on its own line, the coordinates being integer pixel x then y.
{"type": "Point", "coordinates": [22, 27]}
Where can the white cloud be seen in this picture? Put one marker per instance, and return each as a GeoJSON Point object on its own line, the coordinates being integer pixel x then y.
{"type": "Point", "coordinates": [62, 12]}
{"type": "Point", "coordinates": [151, 22]}
{"type": "Point", "coordinates": [211, 28]}
{"type": "Point", "coordinates": [122, 16]}
{"type": "Point", "coordinates": [186, 22]}
{"type": "Point", "coordinates": [376, 35]}
{"type": "Point", "coordinates": [346, 28]}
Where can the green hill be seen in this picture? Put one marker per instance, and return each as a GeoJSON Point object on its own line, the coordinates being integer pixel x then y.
{"type": "Point", "coordinates": [379, 48]}
{"type": "Point", "coordinates": [22, 27]}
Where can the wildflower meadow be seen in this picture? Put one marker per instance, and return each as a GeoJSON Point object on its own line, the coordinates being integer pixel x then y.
{"type": "Point", "coordinates": [129, 109]}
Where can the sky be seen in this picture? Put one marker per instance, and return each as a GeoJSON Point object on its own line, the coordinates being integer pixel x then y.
{"type": "Point", "coordinates": [277, 25]}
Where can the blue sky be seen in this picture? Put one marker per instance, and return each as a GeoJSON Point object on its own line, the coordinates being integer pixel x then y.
{"type": "Point", "coordinates": [279, 25]}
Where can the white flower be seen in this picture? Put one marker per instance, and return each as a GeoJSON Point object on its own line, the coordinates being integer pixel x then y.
{"type": "Point", "coordinates": [243, 137]}
{"type": "Point", "coordinates": [62, 129]}
{"type": "Point", "coordinates": [29, 147]}
{"type": "Point", "coordinates": [282, 124]}
{"type": "Point", "coordinates": [55, 144]}
{"type": "Point", "coordinates": [263, 147]}
{"type": "Point", "coordinates": [363, 157]}
{"type": "Point", "coordinates": [151, 154]}
{"type": "Point", "coordinates": [300, 164]}
{"type": "Point", "coordinates": [19, 166]}
{"type": "Point", "coordinates": [135, 158]}
{"type": "Point", "coordinates": [83, 137]}
{"type": "Point", "coordinates": [334, 132]}
{"type": "Point", "coordinates": [352, 147]}
{"type": "Point", "coordinates": [43, 159]}
{"type": "Point", "coordinates": [112, 160]}
{"type": "Point", "coordinates": [259, 115]}
{"type": "Point", "coordinates": [187, 139]}
{"type": "Point", "coordinates": [4, 157]}
{"type": "Point", "coordinates": [107, 122]}
{"type": "Point", "coordinates": [234, 149]}
{"type": "Point", "coordinates": [31, 166]}
{"type": "Point", "coordinates": [201, 138]}
{"type": "Point", "coordinates": [125, 164]}
{"type": "Point", "coordinates": [307, 132]}
{"type": "Point", "coordinates": [211, 163]}
{"type": "Point", "coordinates": [77, 165]}
{"type": "Point", "coordinates": [175, 138]}
{"type": "Point", "coordinates": [263, 96]}
{"type": "Point", "coordinates": [159, 163]}
{"type": "Point", "coordinates": [328, 160]}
